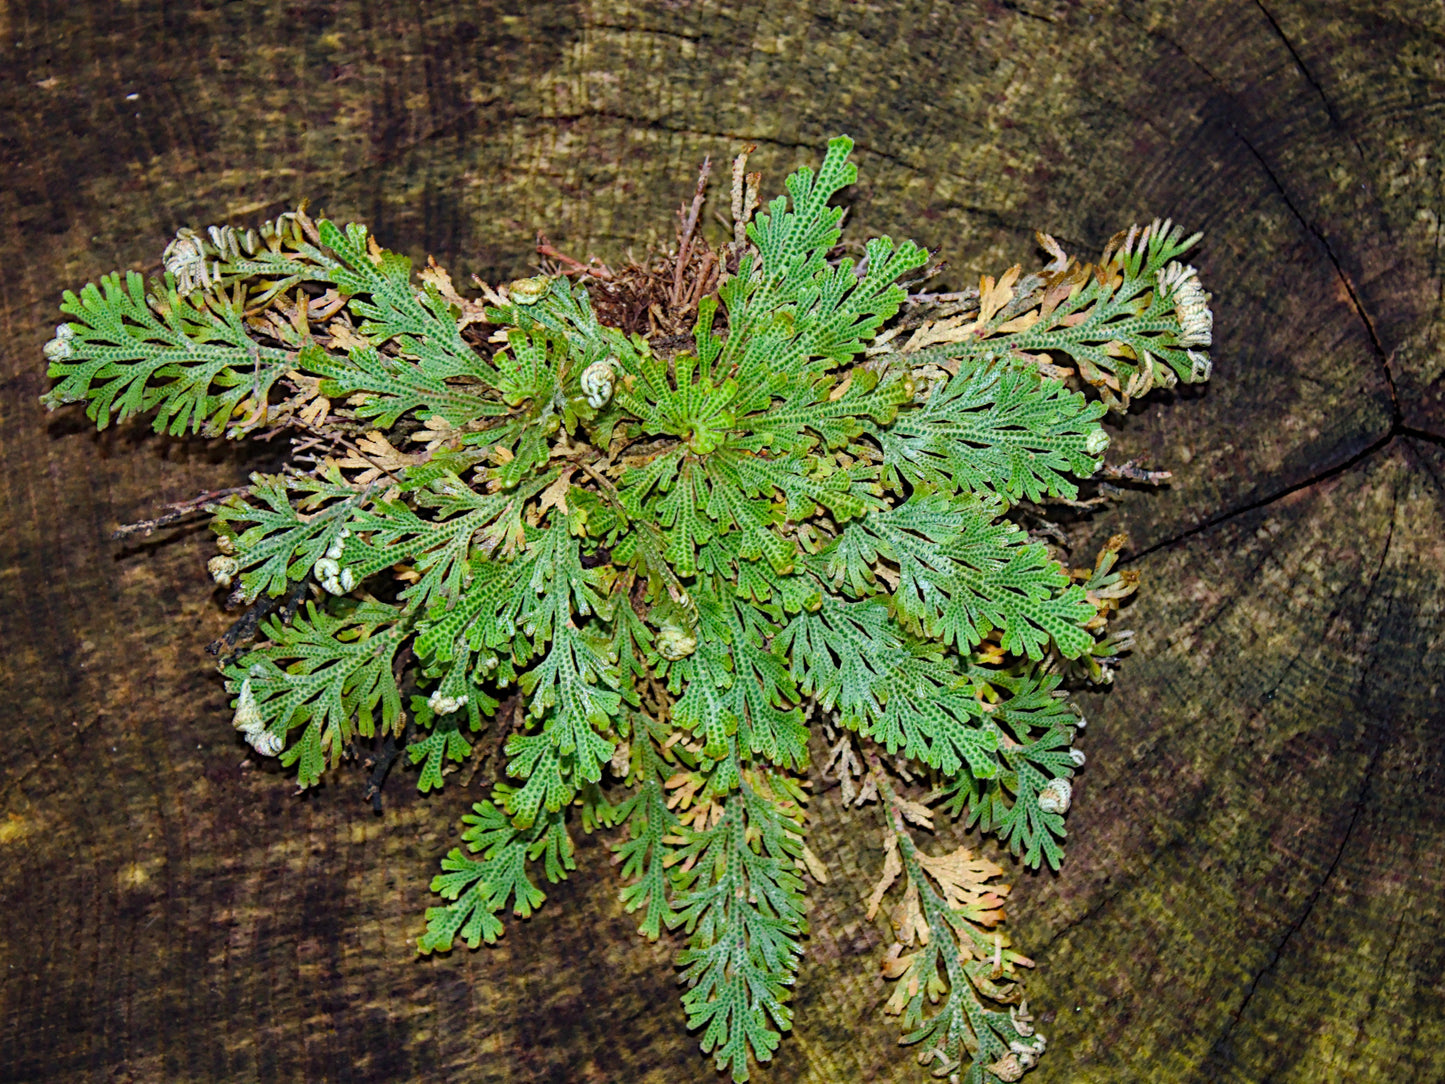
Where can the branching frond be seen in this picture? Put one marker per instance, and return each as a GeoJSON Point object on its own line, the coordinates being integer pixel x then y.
{"type": "Point", "coordinates": [481, 888]}
{"type": "Point", "coordinates": [325, 675]}
{"type": "Point", "coordinates": [740, 901]}
{"type": "Point", "coordinates": [957, 974]}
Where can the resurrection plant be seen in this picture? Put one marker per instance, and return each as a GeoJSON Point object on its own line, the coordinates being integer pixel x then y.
{"type": "Point", "coordinates": [647, 524]}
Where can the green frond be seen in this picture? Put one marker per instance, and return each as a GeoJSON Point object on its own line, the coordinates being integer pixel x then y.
{"type": "Point", "coordinates": [326, 675]}
{"type": "Point", "coordinates": [383, 387]}
{"type": "Point", "coordinates": [1030, 706]}
{"type": "Point", "coordinates": [393, 310]}
{"type": "Point", "coordinates": [294, 522]}
{"type": "Point", "coordinates": [996, 430]}
{"type": "Point", "coordinates": [905, 694]}
{"type": "Point", "coordinates": [481, 888]}
{"type": "Point", "coordinates": [132, 349]}
{"type": "Point", "coordinates": [445, 742]}
{"type": "Point", "coordinates": [647, 853]}
{"type": "Point", "coordinates": [700, 681]}
{"type": "Point", "coordinates": [962, 573]}
{"type": "Point", "coordinates": [763, 696]}
{"type": "Point", "coordinates": [740, 900]}
{"type": "Point", "coordinates": [439, 546]}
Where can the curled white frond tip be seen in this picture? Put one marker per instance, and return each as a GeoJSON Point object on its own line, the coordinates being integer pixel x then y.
{"type": "Point", "coordinates": [266, 743]}
{"type": "Point", "coordinates": [445, 705]}
{"type": "Point", "coordinates": [223, 568]}
{"type": "Point", "coordinates": [597, 383]}
{"type": "Point", "coordinates": [529, 291]}
{"type": "Point", "coordinates": [1056, 797]}
{"type": "Point", "coordinates": [59, 348]}
{"type": "Point", "coordinates": [332, 577]}
{"type": "Point", "coordinates": [248, 711]}
{"type": "Point", "coordinates": [186, 258]}
{"type": "Point", "coordinates": [1021, 1019]}
{"type": "Point", "coordinates": [1191, 304]}
{"type": "Point", "coordinates": [1028, 1053]}
{"type": "Point", "coordinates": [675, 642]}
{"type": "Point", "coordinates": [1008, 1068]}
{"type": "Point", "coordinates": [338, 545]}
{"type": "Point", "coordinates": [1201, 365]}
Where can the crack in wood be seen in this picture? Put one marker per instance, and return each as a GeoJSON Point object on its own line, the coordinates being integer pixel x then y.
{"type": "Point", "coordinates": [1219, 1051]}
{"type": "Point", "coordinates": [1379, 980]}
{"type": "Point", "coordinates": [1335, 118]}
{"type": "Point", "coordinates": [1381, 356]}
{"type": "Point", "coordinates": [1394, 433]}
{"type": "Point", "coordinates": [1322, 475]}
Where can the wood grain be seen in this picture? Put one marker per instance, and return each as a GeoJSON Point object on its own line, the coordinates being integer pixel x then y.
{"type": "Point", "coordinates": [1253, 888]}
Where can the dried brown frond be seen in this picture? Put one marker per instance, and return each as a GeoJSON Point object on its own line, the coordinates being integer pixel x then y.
{"type": "Point", "coordinates": [657, 296]}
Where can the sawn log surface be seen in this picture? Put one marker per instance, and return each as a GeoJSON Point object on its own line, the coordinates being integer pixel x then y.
{"type": "Point", "coordinates": [1253, 887]}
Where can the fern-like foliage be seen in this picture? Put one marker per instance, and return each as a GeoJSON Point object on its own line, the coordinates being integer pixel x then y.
{"type": "Point", "coordinates": [654, 557]}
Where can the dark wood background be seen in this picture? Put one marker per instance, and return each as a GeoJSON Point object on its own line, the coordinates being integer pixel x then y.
{"type": "Point", "coordinates": [1253, 885]}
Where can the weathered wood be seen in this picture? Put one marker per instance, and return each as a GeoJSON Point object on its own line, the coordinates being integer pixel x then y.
{"type": "Point", "coordinates": [1253, 889]}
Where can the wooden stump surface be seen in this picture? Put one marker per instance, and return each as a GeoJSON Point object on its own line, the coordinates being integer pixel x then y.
{"type": "Point", "coordinates": [1253, 887]}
